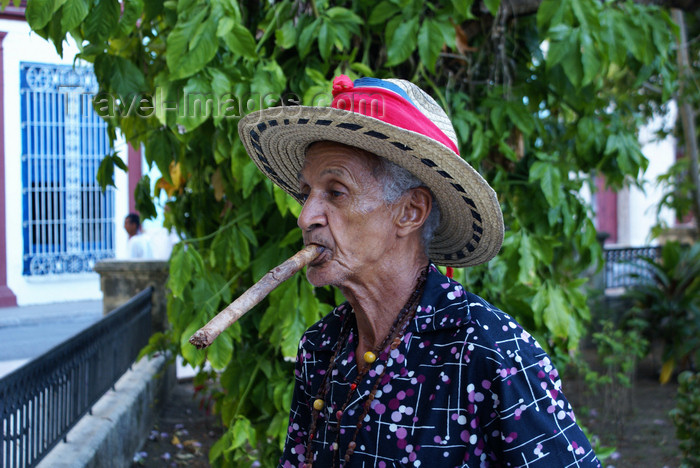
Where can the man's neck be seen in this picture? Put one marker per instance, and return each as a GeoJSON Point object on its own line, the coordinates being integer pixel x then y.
{"type": "Point", "coordinates": [377, 301]}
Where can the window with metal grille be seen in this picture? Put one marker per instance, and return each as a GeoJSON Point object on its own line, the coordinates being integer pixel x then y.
{"type": "Point", "coordinates": [68, 222]}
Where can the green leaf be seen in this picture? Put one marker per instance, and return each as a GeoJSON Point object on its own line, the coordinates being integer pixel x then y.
{"type": "Point", "coordinates": [430, 42]}
{"type": "Point", "coordinates": [249, 234]}
{"type": "Point", "coordinates": [281, 200]}
{"type": "Point", "coordinates": [559, 49]}
{"type": "Point", "coordinates": [550, 181]}
{"type": "Point", "coordinates": [307, 37]}
{"type": "Point", "coordinates": [160, 151]}
{"type": "Point", "coordinates": [526, 263]}
{"type": "Point", "coordinates": [143, 198]}
{"type": "Point", "coordinates": [401, 39]}
{"type": "Point", "coordinates": [203, 294]}
{"type": "Point", "coordinates": [382, 12]}
{"type": "Point", "coordinates": [197, 103]}
{"type": "Point", "coordinates": [326, 38]}
{"type": "Point", "coordinates": [463, 10]}
{"type": "Point", "coordinates": [269, 82]}
{"type": "Point", "coordinates": [251, 178]}
{"type": "Point", "coordinates": [220, 351]}
{"type": "Point", "coordinates": [102, 20]}
{"type": "Point", "coordinates": [286, 36]}
{"type": "Point", "coordinates": [492, 6]}
{"type": "Point", "coordinates": [105, 173]}
{"type": "Point", "coordinates": [346, 18]}
{"type": "Point", "coordinates": [225, 26]}
{"type": "Point", "coordinates": [74, 12]}
{"type": "Point", "coordinates": [634, 39]}
{"type": "Point", "coordinates": [190, 353]}
{"type": "Point", "coordinates": [539, 302]}
{"type": "Point", "coordinates": [133, 9]}
{"type": "Point", "coordinates": [242, 432]}
{"type": "Point", "coordinates": [127, 80]}
{"type": "Point", "coordinates": [191, 45]}
{"type": "Point", "coordinates": [497, 115]}
{"type": "Point", "coordinates": [241, 41]}
{"type": "Point", "coordinates": [241, 249]}
{"type": "Point", "coordinates": [220, 445]}
{"type": "Point", "coordinates": [292, 238]}
{"type": "Point", "coordinates": [519, 115]}
{"type": "Point", "coordinates": [181, 269]}
{"type": "Point", "coordinates": [556, 313]}
{"type": "Point", "coordinates": [39, 12]}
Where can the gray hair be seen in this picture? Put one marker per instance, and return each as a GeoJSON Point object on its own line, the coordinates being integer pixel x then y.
{"type": "Point", "coordinates": [396, 181]}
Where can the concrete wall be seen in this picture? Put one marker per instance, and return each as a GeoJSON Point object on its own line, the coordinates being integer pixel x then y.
{"type": "Point", "coordinates": [21, 45]}
{"type": "Point", "coordinates": [121, 280]}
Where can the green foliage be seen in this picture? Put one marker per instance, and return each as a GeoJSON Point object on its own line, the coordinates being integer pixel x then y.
{"type": "Point", "coordinates": [686, 417]}
{"type": "Point", "coordinates": [105, 173]}
{"type": "Point", "coordinates": [619, 350]}
{"type": "Point", "coordinates": [538, 102]}
{"type": "Point", "coordinates": [680, 183]}
{"type": "Point", "coordinates": [668, 304]}
{"type": "Point", "coordinates": [677, 190]}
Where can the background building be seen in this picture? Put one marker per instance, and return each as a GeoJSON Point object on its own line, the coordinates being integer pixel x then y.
{"type": "Point", "coordinates": [55, 222]}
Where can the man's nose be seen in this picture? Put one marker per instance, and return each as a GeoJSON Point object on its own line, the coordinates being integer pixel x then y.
{"type": "Point", "coordinates": [313, 214]}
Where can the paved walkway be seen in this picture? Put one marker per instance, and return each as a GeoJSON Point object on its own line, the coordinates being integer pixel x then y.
{"type": "Point", "coordinates": [27, 332]}
{"type": "Point", "coordinates": [32, 314]}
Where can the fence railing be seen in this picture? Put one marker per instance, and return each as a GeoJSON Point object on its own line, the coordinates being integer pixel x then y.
{"type": "Point", "coordinates": [623, 266]}
{"type": "Point", "coordinates": [42, 400]}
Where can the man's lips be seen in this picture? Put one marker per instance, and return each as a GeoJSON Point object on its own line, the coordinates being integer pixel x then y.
{"type": "Point", "coordinates": [322, 257]}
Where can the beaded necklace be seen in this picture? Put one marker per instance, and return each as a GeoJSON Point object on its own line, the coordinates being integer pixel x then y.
{"type": "Point", "coordinates": [390, 342]}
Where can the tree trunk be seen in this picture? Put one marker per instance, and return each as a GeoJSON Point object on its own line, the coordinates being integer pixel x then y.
{"type": "Point", "coordinates": [687, 115]}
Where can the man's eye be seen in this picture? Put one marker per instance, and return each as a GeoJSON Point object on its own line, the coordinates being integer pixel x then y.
{"type": "Point", "coordinates": [336, 193]}
{"type": "Point", "coordinates": [303, 197]}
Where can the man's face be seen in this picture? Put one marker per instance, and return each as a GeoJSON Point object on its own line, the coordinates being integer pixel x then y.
{"type": "Point", "coordinates": [344, 212]}
{"type": "Point", "coordinates": [130, 227]}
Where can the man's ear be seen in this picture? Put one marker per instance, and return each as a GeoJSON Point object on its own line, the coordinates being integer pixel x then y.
{"type": "Point", "coordinates": [414, 210]}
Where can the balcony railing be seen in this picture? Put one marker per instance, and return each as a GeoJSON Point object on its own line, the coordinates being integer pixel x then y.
{"type": "Point", "coordinates": [41, 401]}
{"type": "Point", "coordinates": [625, 268]}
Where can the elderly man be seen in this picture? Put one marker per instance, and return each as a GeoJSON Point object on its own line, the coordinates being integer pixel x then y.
{"type": "Point", "coordinates": [412, 370]}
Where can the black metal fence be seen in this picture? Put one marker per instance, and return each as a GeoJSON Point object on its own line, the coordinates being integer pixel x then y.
{"type": "Point", "coordinates": [41, 401]}
{"type": "Point", "coordinates": [623, 266]}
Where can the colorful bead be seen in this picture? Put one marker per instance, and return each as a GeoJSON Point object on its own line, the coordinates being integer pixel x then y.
{"type": "Point", "coordinates": [353, 386]}
{"type": "Point", "coordinates": [370, 357]}
{"type": "Point", "coordinates": [339, 414]}
{"type": "Point", "coordinates": [319, 404]}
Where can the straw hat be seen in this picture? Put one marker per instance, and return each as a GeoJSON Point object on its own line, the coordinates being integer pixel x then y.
{"type": "Point", "coordinates": [398, 121]}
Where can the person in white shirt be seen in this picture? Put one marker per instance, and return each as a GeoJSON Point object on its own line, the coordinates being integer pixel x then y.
{"type": "Point", "coordinates": [138, 245]}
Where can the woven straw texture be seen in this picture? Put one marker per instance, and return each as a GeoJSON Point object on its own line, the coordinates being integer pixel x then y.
{"type": "Point", "coordinates": [471, 228]}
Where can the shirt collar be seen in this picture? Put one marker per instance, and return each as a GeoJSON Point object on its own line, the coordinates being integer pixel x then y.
{"type": "Point", "coordinates": [443, 305]}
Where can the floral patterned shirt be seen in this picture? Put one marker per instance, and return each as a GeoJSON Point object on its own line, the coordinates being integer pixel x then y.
{"type": "Point", "coordinates": [466, 387]}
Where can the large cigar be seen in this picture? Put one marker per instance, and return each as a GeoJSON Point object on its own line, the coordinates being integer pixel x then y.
{"type": "Point", "coordinates": [206, 335]}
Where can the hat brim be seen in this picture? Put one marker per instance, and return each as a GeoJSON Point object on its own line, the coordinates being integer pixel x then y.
{"type": "Point", "coordinates": [471, 226]}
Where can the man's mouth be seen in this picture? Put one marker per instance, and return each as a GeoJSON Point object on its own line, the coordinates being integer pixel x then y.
{"type": "Point", "coordinates": [322, 257]}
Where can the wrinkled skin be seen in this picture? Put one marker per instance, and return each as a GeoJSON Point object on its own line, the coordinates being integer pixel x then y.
{"type": "Point", "coordinates": [373, 249]}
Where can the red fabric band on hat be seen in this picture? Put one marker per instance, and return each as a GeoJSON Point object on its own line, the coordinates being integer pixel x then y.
{"type": "Point", "coordinates": [391, 108]}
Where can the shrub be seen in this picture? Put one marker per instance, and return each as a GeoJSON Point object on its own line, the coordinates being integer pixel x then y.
{"type": "Point", "coordinates": [619, 351]}
{"type": "Point", "coordinates": [668, 303]}
{"type": "Point", "coordinates": [686, 417]}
